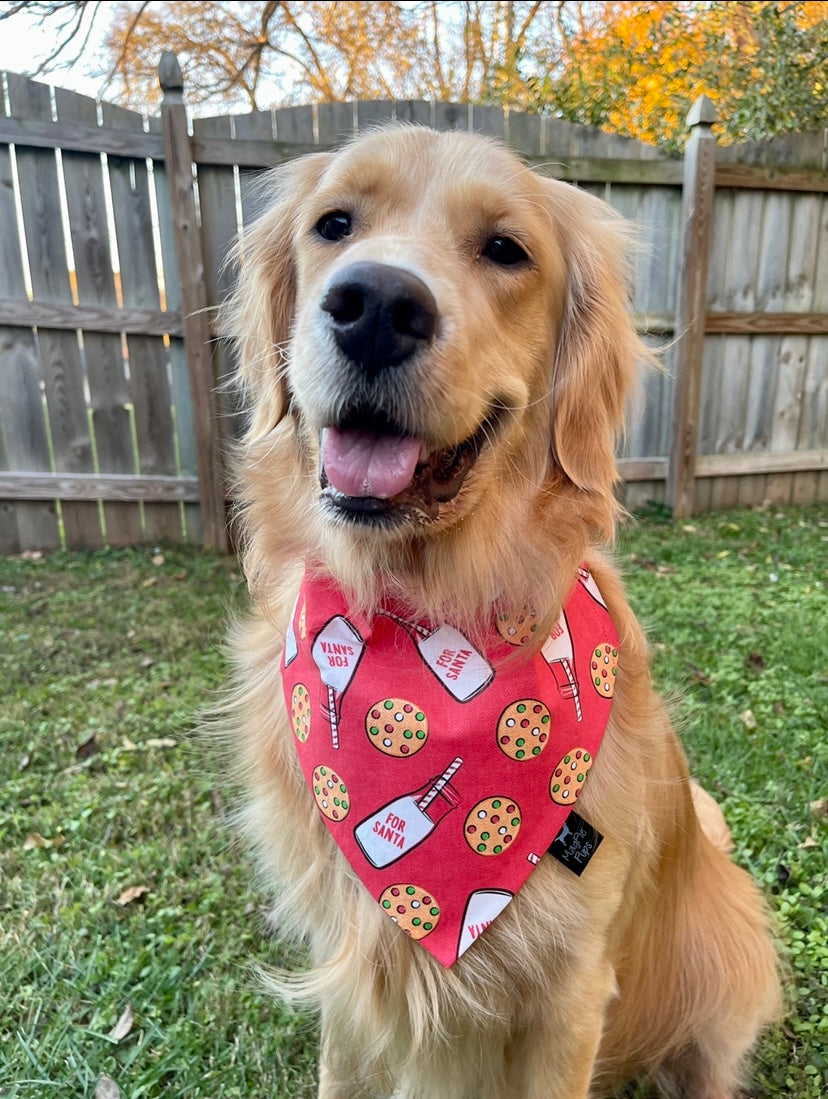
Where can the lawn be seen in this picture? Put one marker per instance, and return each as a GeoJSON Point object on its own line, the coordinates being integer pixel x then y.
{"type": "Point", "coordinates": [130, 923]}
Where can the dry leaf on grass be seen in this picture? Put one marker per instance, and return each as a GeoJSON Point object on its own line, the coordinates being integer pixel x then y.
{"type": "Point", "coordinates": [106, 1088]}
{"type": "Point", "coordinates": [123, 1026]}
{"type": "Point", "coordinates": [131, 894]}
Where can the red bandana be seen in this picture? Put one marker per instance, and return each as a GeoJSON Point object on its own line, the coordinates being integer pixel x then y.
{"type": "Point", "coordinates": [444, 773]}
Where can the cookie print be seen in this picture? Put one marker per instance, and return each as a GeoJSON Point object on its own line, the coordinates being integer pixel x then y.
{"type": "Point", "coordinates": [523, 729]}
{"type": "Point", "coordinates": [492, 825]}
{"type": "Point", "coordinates": [330, 792]}
{"type": "Point", "coordinates": [568, 777]}
{"type": "Point", "coordinates": [397, 727]}
{"type": "Point", "coordinates": [517, 627]}
{"type": "Point", "coordinates": [603, 667]}
{"type": "Point", "coordinates": [300, 712]}
{"type": "Point", "coordinates": [411, 908]}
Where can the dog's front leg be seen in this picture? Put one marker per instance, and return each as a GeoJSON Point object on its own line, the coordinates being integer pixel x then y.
{"type": "Point", "coordinates": [554, 1056]}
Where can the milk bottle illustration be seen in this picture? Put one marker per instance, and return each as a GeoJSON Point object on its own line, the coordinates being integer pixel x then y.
{"type": "Point", "coordinates": [398, 827]}
{"type": "Point", "coordinates": [291, 647]}
{"type": "Point", "coordinates": [337, 650]}
{"type": "Point", "coordinates": [482, 907]}
{"type": "Point", "coordinates": [462, 670]}
{"type": "Point", "coordinates": [586, 578]}
{"type": "Point", "coordinates": [559, 655]}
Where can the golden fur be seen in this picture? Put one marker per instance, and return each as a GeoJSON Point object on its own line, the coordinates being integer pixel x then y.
{"type": "Point", "coordinates": [658, 959]}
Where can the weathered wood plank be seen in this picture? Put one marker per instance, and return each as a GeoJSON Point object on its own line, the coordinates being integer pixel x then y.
{"type": "Point", "coordinates": [61, 367]}
{"type": "Point", "coordinates": [737, 465]}
{"type": "Point", "coordinates": [413, 110]}
{"type": "Point", "coordinates": [523, 133]}
{"type": "Point", "coordinates": [193, 305]}
{"type": "Point", "coordinates": [369, 112]}
{"type": "Point", "coordinates": [147, 356]}
{"type": "Point", "coordinates": [92, 318]}
{"type": "Point", "coordinates": [219, 232]}
{"type": "Point", "coordinates": [32, 525]}
{"type": "Point", "coordinates": [768, 324]}
{"type": "Point", "coordinates": [294, 127]}
{"type": "Point", "coordinates": [578, 169]}
{"type": "Point", "coordinates": [691, 304]}
{"type": "Point", "coordinates": [334, 122]}
{"type": "Point", "coordinates": [754, 177]}
{"type": "Point", "coordinates": [44, 134]}
{"type": "Point", "coordinates": [24, 525]}
{"type": "Point", "coordinates": [488, 120]}
{"type": "Point", "coordinates": [22, 485]}
{"type": "Point", "coordinates": [180, 391]}
{"type": "Point", "coordinates": [103, 352]}
{"type": "Point", "coordinates": [254, 191]}
{"type": "Point", "coordinates": [450, 116]}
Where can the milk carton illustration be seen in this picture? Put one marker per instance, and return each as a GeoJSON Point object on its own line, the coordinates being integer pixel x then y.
{"type": "Point", "coordinates": [462, 670]}
{"type": "Point", "coordinates": [337, 651]}
{"type": "Point", "coordinates": [559, 655]}
{"type": "Point", "coordinates": [482, 907]}
{"type": "Point", "coordinates": [586, 578]}
{"type": "Point", "coordinates": [398, 827]}
{"type": "Point", "coordinates": [291, 647]}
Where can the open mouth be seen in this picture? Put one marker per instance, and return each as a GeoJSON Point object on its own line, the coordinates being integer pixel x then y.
{"type": "Point", "coordinates": [372, 472]}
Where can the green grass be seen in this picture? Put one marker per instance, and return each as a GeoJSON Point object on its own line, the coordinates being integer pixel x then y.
{"type": "Point", "coordinates": [105, 787]}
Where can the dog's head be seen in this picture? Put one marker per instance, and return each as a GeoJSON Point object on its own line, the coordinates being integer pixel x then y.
{"type": "Point", "coordinates": [446, 334]}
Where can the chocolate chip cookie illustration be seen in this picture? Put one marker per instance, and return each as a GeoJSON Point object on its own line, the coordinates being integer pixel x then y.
{"type": "Point", "coordinates": [397, 727]}
{"type": "Point", "coordinates": [492, 825]}
{"type": "Point", "coordinates": [523, 729]}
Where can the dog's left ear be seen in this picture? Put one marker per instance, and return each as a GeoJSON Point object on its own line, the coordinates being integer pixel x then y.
{"type": "Point", "coordinates": [258, 317]}
{"type": "Point", "coordinates": [598, 351]}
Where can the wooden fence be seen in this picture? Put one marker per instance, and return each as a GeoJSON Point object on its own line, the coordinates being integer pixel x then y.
{"type": "Point", "coordinates": [112, 232]}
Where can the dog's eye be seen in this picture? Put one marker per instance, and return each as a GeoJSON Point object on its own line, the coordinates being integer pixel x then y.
{"type": "Point", "coordinates": [334, 226]}
{"type": "Point", "coordinates": [504, 250]}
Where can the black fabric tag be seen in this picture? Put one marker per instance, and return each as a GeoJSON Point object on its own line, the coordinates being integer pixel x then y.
{"type": "Point", "coordinates": [576, 843]}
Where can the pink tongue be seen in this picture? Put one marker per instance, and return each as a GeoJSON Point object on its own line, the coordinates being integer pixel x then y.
{"type": "Point", "coordinates": [360, 463]}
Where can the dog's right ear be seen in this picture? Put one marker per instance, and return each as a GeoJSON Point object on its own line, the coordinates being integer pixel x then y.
{"type": "Point", "coordinates": [258, 316]}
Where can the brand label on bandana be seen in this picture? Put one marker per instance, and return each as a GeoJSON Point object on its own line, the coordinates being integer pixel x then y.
{"type": "Point", "coordinates": [442, 771]}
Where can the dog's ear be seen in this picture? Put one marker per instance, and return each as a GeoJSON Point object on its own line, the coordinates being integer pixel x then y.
{"type": "Point", "coordinates": [598, 351]}
{"type": "Point", "coordinates": [259, 314]}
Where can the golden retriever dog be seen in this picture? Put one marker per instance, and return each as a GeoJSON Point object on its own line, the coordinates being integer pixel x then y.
{"type": "Point", "coordinates": [436, 350]}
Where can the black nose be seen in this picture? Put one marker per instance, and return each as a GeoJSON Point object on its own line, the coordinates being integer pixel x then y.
{"type": "Point", "coordinates": [380, 315]}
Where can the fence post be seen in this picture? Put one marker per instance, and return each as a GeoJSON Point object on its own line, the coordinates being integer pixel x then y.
{"type": "Point", "coordinates": [207, 428]}
{"type": "Point", "coordinates": [691, 303]}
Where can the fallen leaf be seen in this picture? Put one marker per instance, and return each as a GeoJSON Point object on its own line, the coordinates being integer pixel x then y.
{"type": "Point", "coordinates": [689, 529]}
{"type": "Point", "coordinates": [106, 1088]}
{"type": "Point", "coordinates": [158, 560]}
{"type": "Point", "coordinates": [34, 839]}
{"type": "Point", "coordinates": [128, 745]}
{"type": "Point", "coordinates": [132, 893]}
{"type": "Point", "coordinates": [820, 807]}
{"type": "Point", "coordinates": [24, 762]}
{"type": "Point", "coordinates": [807, 844]}
{"type": "Point", "coordinates": [147, 662]}
{"type": "Point", "coordinates": [123, 1026]}
{"type": "Point", "coordinates": [160, 742]}
{"type": "Point", "coordinates": [747, 719]}
{"type": "Point", "coordinates": [87, 748]}
{"type": "Point", "coordinates": [723, 553]}
{"type": "Point", "coordinates": [755, 661]}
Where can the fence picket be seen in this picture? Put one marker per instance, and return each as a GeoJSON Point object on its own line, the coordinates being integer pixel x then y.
{"type": "Point", "coordinates": [147, 355]}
